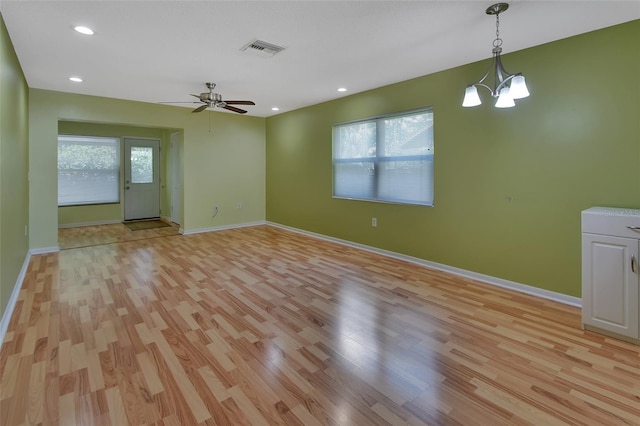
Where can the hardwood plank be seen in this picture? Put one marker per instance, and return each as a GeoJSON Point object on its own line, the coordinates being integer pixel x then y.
{"type": "Point", "coordinates": [198, 409]}
{"type": "Point", "coordinates": [68, 409]}
{"type": "Point", "coordinates": [117, 412]}
{"type": "Point", "coordinates": [35, 401]}
{"type": "Point", "coordinates": [150, 373]}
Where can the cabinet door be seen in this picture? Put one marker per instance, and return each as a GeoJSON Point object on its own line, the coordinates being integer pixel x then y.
{"type": "Point", "coordinates": [610, 284]}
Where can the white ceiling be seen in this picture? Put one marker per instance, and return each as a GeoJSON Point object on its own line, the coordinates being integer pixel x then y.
{"type": "Point", "coordinates": [155, 51]}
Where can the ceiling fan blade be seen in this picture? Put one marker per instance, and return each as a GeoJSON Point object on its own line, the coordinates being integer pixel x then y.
{"type": "Point", "coordinates": [201, 108]}
{"type": "Point", "coordinates": [195, 96]}
{"type": "Point", "coordinates": [241, 102]}
{"type": "Point", "coordinates": [234, 109]}
{"type": "Point", "coordinates": [178, 102]}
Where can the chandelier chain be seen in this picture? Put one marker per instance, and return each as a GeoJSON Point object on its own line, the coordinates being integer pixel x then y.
{"type": "Point", "coordinates": [498, 41]}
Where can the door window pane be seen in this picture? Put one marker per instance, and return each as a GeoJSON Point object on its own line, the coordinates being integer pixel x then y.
{"type": "Point", "coordinates": [141, 164]}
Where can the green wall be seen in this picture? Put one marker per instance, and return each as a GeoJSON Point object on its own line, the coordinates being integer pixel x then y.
{"type": "Point", "coordinates": [14, 186]}
{"type": "Point", "coordinates": [69, 215]}
{"type": "Point", "coordinates": [223, 157]}
{"type": "Point", "coordinates": [509, 184]}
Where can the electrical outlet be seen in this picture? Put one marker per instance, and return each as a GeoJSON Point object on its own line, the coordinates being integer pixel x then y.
{"type": "Point", "coordinates": [374, 222]}
{"type": "Point", "coordinates": [239, 205]}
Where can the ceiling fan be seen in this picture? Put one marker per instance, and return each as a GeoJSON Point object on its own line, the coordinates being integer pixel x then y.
{"type": "Point", "coordinates": [210, 100]}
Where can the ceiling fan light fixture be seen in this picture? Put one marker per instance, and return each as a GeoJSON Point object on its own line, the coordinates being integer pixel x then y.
{"type": "Point", "coordinates": [211, 99]}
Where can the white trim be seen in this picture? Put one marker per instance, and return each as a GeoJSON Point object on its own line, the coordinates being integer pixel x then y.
{"type": "Point", "coordinates": [45, 250]}
{"type": "Point", "coordinates": [97, 222]}
{"type": "Point", "coordinates": [176, 164]}
{"type": "Point", "coordinates": [13, 300]}
{"type": "Point", "coordinates": [221, 228]}
{"type": "Point", "coordinates": [488, 279]}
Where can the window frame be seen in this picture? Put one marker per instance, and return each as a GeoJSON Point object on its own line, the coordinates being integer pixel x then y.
{"type": "Point", "coordinates": [379, 123]}
{"type": "Point", "coordinates": [117, 142]}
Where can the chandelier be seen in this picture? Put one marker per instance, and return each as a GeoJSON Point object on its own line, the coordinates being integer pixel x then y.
{"type": "Point", "coordinates": [506, 87]}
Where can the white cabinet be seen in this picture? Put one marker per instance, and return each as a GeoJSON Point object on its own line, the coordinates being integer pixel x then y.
{"type": "Point", "coordinates": [610, 277]}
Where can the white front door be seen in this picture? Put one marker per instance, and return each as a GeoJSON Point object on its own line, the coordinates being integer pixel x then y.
{"type": "Point", "coordinates": [141, 179]}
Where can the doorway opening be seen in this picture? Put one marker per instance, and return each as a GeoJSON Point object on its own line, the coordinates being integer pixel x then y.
{"type": "Point", "coordinates": [150, 159]}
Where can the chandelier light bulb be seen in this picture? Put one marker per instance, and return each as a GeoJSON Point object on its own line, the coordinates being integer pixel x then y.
{"type": "Point", "coordinates": [505, 100]}
{"type": "Point", "coordinates": [518, 88]}
{"type": "Point", "coordinates": [471, 97]}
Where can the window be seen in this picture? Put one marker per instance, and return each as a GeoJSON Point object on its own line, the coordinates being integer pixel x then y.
{"type": "Point", "coordinates": [141, 164]}
{"type": "Point", "coordinates": [388, 159]}
{"type": "Point", "coordinates": [88, 170]}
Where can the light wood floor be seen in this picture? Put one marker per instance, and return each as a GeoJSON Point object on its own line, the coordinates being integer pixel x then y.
{"type": "Point", "coordinates": [86, 236]}
{"type": "Point", "coordinates": [262, 326]}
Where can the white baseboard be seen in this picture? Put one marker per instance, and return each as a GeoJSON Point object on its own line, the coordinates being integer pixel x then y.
{"type": "Point", "coordinates": [45, 250]}
{"type": "Point", "coordinates": [98, 222]}
{"type": "Point", "coordinates": [488, 279]}
{"type": "Point", "coordinates": [13, 300]}
{"type": "Point", "coordinates": [221, 228]}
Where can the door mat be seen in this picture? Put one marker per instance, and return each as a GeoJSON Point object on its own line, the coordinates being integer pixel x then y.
{"type": "Point", "coordinates": [145, 224]}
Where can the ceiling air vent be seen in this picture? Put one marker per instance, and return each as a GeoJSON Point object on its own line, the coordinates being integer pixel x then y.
{"type": "Point", "coordinates": [261, 48]}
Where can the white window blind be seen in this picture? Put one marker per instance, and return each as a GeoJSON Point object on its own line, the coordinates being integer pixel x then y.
{"type": "Point", "coordinates": [388, 158]}
{"type": "Point", "coordinates": [88, 170]}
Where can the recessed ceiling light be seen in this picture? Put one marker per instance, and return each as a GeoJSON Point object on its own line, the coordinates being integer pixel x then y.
{"type": "Point", "coordinates": [275, 109]}
{"type": "Point", "coordinates": [342, 89]}
{"type": "Point", "coordinates": [84, 30]}
{"type": "Point", "coordinates": [75, 79]}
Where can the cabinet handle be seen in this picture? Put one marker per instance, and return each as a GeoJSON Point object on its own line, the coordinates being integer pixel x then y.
{"type": "Point", "coordinates": [634, 264]}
